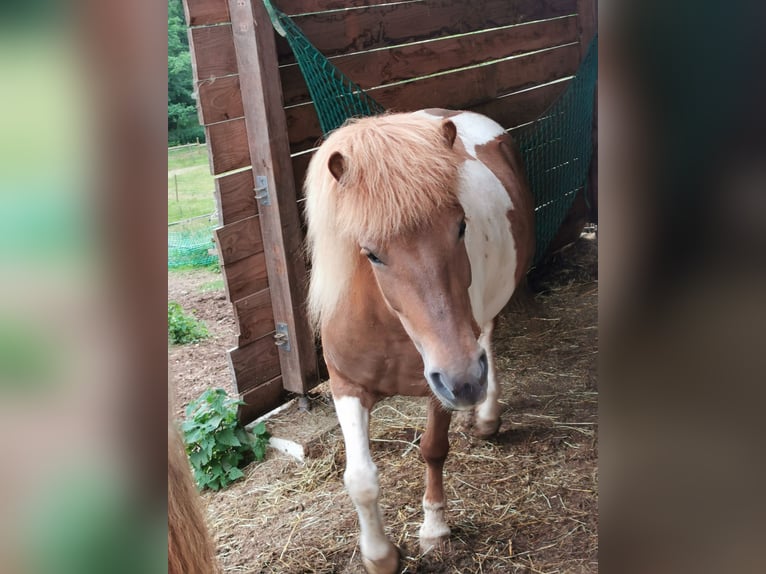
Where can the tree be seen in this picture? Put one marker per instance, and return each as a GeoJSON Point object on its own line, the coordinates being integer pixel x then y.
{"type": "Point", "coordinates": [183, 125]}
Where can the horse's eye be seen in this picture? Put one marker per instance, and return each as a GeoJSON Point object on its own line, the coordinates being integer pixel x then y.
{"type": "Point", "coordinates": [461, 231]}
{"type": "Point", "coordinates": [372, 257]}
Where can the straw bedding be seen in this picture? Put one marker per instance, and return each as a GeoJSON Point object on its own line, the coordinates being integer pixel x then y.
{"type": "Point", "coordinates": [524, 501]}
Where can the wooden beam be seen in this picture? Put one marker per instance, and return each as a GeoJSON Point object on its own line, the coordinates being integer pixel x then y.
{"type": "Point", "coordinates": [254, 316]}
{"type": "Point", "coordinates": [261, 399]}
{"type": "Point", "coordinates": [458, 90]}
{"type": "Point", "coordinates": [219, 100]}
{"type": "Point", "coordinates": [213, 51]}
{"type": "Point", "coordinates": [292, 7]}
{"type": "Point", "coordinates": [236, 193]}
{"type": "Point", "coordinates": [587, 22]}
{"type": "Point", "coordinates": [474, 85]}
{"type": "Point", "coordinates": [254, 364]}
{"type": "Point", "coordinates": [202, 12]}
{"type": "Point", "coordinates": [238, 240]}
{"type": "Point", "coordinates": [227, 142]}
{"type": "Point", "coordinates": [378, 67]}
{"type": "Point", "coordinates": [270, 157]}
{"type": "Point", "coordinates": [522, 107]}
{"type": "Point", "coordinates": [245, 277]}
{"type": "Point", "coordinates": [346, 31]}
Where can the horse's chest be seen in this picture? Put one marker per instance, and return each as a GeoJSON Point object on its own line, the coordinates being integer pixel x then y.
{"type": "Point", "coordinates": [374, 352]}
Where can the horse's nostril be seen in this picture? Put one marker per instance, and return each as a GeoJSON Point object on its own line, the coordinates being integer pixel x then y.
{"type": "Point", "coordinates": [438, 381]}
{"type": "Point", "coordinates": [484, 366]}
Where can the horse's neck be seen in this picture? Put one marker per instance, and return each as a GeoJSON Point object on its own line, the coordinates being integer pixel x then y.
{"type": "Point", "coordinates": [362, 337]}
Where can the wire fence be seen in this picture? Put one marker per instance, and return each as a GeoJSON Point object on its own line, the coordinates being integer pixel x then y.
{"type": "Point", "coordinates": [190, 242]}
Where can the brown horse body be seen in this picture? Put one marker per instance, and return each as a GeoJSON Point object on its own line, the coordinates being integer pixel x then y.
{"type": "Point", "coordinates": [438, 203]}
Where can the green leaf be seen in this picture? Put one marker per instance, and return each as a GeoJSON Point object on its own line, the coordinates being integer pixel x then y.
{"type": "Point", "coordinates": [230, 459]}
{"type": "Point", "coordinates": [188, 425]}
{"type": "Point", "coordinates": [234, 473]}
{"type": "Point", "coordinates": [207, 444]}
{"type": "Point", "coordinates": [198, 458]}
{"type": "Point", "coordinates": [259, 429]}
{"type": "Point", "coordinates": [227, 437]}
{"type": "Point", "coordinates": [215, 421]}
{"type": "Point", "coordinates": [194, 436]}
{"type": "Point", "coordinates": [244, 437]}
{"type": "Point", "coordinates": [259, 450]}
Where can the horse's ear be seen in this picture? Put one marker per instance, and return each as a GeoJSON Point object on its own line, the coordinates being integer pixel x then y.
{"type": "Point", "coordinates": [337, 165]}
{"type": "Point", "coordinates": [450, 132]}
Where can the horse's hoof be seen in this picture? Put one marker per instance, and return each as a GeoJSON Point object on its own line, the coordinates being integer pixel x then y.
{"type": "Point", "coordinates": [429, 543]}
{"type": "Point", "coordinates": [433, 536]}
{"type": "Point", "coordinates": [486, 428]}
{"type": "Point", "coordinates": [389, 564]}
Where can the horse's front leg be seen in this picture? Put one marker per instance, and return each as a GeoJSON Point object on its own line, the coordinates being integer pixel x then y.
{"type": "Point", "coordinates": [434, 446]}
{"type": "Point", "coordinates": [488, 412]}
{"type": "Point", "coordinates": [379, 555]}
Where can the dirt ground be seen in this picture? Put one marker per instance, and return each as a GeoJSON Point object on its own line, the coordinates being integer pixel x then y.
{"type": "Point", "coordinates": [199, 366]}
{"type": "Point", "coordinates": [524, 501]}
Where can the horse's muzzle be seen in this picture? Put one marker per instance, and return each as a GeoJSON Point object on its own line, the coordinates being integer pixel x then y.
{"type": "Point", "coordinates": [460, 391]}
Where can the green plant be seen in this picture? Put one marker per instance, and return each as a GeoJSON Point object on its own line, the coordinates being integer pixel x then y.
{"type": "Point", "coordinates": [215, 442]}
{"type": "Point", "coordinates": [183, 328]}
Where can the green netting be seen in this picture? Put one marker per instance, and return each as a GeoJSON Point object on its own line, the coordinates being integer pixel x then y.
{"type": "Point", "coordinates": [336, 98]}
{"type": "Point", "coordinates": [556, 148]}
{"type": "Point", "coordinates": [190, 243]}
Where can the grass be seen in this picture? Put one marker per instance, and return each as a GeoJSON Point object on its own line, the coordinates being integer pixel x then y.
{"type": "Point", "coordinates": [214, 285]}
{"type": "Point", "coordinates": [190, 184]}
{"type": "Point", "coordinates": [212, 267]}
{"type": "Point", "coordinates": [181, 157]}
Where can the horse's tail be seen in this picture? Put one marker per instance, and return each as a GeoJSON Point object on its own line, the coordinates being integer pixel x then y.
{"type": "Point", "coordinates": [190, 548]}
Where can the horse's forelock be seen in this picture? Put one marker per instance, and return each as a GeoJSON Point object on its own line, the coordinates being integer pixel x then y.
{"type": "Point", "coordinates": [399, 172]}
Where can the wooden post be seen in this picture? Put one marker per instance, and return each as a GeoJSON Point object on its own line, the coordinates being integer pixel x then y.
{"type": "Point", "coordinates": [270, 158]}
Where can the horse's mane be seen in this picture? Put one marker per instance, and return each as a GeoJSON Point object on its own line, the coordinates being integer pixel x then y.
{"type": "Point", "coordinates": [399, 169]}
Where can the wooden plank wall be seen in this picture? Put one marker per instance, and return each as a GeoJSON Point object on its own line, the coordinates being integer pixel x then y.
{"type": "Point", "coordinates": [250, 246]}
{"type": "Point", "coordinates": [509, 59]}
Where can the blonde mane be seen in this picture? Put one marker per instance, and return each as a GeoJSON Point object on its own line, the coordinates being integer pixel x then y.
{"type": "Point", "coordinates": [398, 171]}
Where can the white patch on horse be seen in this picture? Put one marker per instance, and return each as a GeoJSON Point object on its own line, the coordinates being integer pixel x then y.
{"type": "Point", "coordinates": [474, 129]}
{"type": "Point", "coordinates": [361, 476]}
{"type": "Point", "coordinates": [434, 527]}
{"type": "Point", "coordinates": [483, 197]}
{"type": "Point", "coordinates": [488, 412]}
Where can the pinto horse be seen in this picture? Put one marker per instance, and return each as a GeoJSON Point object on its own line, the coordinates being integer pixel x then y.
{"type": "Point", "coordinates": [420, 227]}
